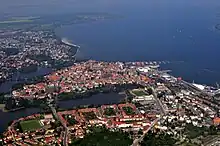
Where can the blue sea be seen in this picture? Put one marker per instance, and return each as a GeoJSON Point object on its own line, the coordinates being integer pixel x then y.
{"type": "Point", "coordinates": [179, 31]}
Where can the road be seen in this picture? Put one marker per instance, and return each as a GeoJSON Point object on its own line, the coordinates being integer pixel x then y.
{"type": "Point", "coordinates": [215, 140]}
{"type": "Point", "coordinates": [193, 88]}
{"type": "Point", "coordinates": [65, 141]}
{"type": "Point", "coordinates": [163, 110]}
{"type": "Point", "coordinates": [136, 141]}
{"type": "Point", "coordinates": [207, 100]}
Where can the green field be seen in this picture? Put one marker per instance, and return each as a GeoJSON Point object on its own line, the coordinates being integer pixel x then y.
{"type": "Point", "coordinates": [109, 112]}
{"type": "Point", "coordinates": [70, 119]}
{"type": "Point", "coordinates": [30, 125]}
{"type": "Point", "coordinates": [89, 116]}
{"type": "Point", "coordinates": [128, 110]}
{"type": "Point", "coordinates": [138, 92]}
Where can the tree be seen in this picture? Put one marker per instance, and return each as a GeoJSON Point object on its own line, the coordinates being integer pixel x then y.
{"type": "Point", "coordinates": [140, 132]}
{"type": "Point", "coordinates": [131, 132]}
{"type": "Point", "coordinates": [213, 130]}
{"type": "Point", "coordinates": [150, 91]}
{"type": "Point", "coordinates": [155, 139]}
{"type": "Point", "coordinates": [104, 137]}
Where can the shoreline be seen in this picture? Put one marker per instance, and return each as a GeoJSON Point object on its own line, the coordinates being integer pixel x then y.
{"type": "Point", "coordinates": [97, 99]}
{"type": "Point", "coordinates": [124, 86]}
{"type": "Point", "coordinates": [118, 89]}
{"type": "Point", "coordinates": [28, 70]}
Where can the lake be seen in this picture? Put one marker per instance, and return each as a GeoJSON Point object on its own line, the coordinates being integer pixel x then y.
{"type": "Point", "coordinates": [21, 77]}
{"type": "Point", "coordinates": [180, 31]}
{"type": "Point", "coordinates": [98, 99]}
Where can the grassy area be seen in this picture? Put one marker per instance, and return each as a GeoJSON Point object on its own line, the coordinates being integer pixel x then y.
{"type": "Point", "coordinates": [30, 125]}
{"type": "Point", "coordinates": [109, 112]}
{"type": "Point", "coordinates": [89, 116]}
{"type": "Point", "coordinates": [193, 131]}
{"type": "Point", "coordinates": [128, 110]}
{"type": "Point", "coordinates": [138, 92]}
{"type": "Point", "coordinates": [70, 119]}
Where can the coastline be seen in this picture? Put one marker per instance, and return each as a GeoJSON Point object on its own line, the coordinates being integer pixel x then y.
{"type": "Point", "coordinates": [52, 68]}
{"type": "Point", "coordinates": [115, 88]}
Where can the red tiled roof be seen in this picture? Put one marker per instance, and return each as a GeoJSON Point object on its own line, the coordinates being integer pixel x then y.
{"type": "Point", "coordinates": [216, 120]}
{"type": "Point", "coordinates": [53, 78]}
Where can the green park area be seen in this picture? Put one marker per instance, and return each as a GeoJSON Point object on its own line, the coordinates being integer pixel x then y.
{"type": "Point", "coordinates": [109, 112]}
{"type": "Point", "coordinates": [104, 137]}
{"type": "Point", "coordinates": [70, 119]}
{"type": "Point", "coordinates": [193, 131]}
{"type": "Point", "coordinates": [128, 110]}
{"type": "Point", "coordinates": [30, 125]}
{"type": "Point", "coordinates": [138, 92]}
{"type": "Point", "coordinates": [154, 139]}
{"type": "Point", "coordinates": [89, 115]}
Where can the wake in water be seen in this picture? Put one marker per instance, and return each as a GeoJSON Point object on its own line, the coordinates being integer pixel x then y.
{"type": "Point", "coordinates": [68, 42]}
{"type": "Point", "coordinates": [208, 70]}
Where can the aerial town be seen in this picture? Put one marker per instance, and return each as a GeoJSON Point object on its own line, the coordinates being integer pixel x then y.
{"type": "Point", "coordinates": [81, 77]}
{"type": "Point", "coordinates": [26, 50]}
{"type": "Point", "coordinates": [160, 103]}
{"type": "Point", "coordinates": [144, 73]}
